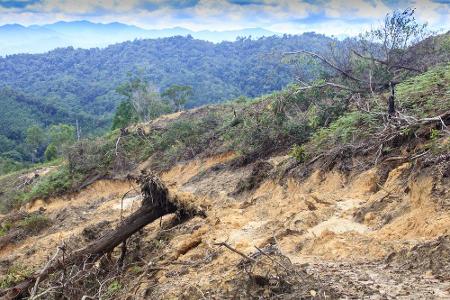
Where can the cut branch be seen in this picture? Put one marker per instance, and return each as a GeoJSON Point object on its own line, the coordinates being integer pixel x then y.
{"type": "Point", "coordinates": [332, 84]}
{"type": "Point", "coordinates": [386, 63]}
{"type": "Point", "coordinates": [329, 63]}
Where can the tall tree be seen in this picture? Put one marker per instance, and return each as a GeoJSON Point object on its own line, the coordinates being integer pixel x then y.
{"type": "Point", "coordinates": [125, 115]}
{"type": "Point", "coordinates": [61, 136]}
{"type": "Point", "coordinates": [144, 98]}
{"type": "Point", "coordinates": [178, 95]}
{"type": "Point", "coordinates": [35, 139]}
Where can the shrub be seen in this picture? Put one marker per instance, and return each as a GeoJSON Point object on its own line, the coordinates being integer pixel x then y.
{"type": "Point", "coordinates": [14, 274]}
{"type": "Point", "coordinates": [51, 152]}
{"type": "Point", "coordinates": [34, 223]}
{"type": "Point", "coordinates": [424, 95]}
{"type": "Point", "coordinates": [298, 152]}
{"type": "Point", "coordinates": [347, 128]}
{"type": "Point", "coordinates": [53, 184]}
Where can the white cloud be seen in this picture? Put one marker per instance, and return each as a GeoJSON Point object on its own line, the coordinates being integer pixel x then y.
{"type": "Point", "coordinates": [290, 16]}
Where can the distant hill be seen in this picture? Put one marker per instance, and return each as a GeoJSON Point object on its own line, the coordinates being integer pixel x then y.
{"type": "Point", "coordinates": [67, 84]}
{"type": "Point", "coordinates": [84, 34]}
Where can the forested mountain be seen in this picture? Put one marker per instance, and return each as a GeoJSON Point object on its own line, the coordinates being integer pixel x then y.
{"type": "Point", "coordinates": [80, 84]}
{"type": "Point", "coordinates": [84, 34]}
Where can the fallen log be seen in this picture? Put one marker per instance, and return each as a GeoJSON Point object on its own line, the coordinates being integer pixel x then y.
{"type": "Point", "coordinates": [156, 203]}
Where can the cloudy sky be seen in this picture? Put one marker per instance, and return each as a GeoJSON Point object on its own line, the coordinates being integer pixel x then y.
{"type": "Point", "coordinates": [287, 16]}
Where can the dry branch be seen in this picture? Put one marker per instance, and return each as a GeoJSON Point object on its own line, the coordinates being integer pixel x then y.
{"type": "Point", "coordinates": [327, 62]}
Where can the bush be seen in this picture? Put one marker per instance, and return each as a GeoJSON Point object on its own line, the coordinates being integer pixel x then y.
{"type": "Point", "coordinates": [298, 152]}
{"type": "Point", "coordinates": [51, 152]}
{"type": "Point", "coordinates": [55, 183]}
{"type": "Point", "coordinates": [349, 127]}
{"type": "Point", "coordinates": [14, 274]}
{"type": "Point", "coordinates": [424, 95]}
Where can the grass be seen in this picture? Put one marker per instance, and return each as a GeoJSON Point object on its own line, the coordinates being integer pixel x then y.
{"type": "Point", "coordinates": [348, 128]}
{"type": "Point", "coordinates": [34, 223]}
{"type": "Point", "coordinates": [55, 183]}
{"type": "Point", "coordinates": [428, 93]}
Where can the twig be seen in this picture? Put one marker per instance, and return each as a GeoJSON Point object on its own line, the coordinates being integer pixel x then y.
{"type": "Point", "coordinates": [235, 251]}
{"type": "Point", "coordinates": [34, 290]}
{"type": "Point", "coordinates": [273, 260]}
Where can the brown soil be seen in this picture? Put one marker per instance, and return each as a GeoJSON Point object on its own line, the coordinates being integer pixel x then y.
{"type": "Point", "coordinates": [348, 235]}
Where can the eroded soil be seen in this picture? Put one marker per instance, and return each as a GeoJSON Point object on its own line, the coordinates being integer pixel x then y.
{"type": "Point", "coordinates": [342, 236]}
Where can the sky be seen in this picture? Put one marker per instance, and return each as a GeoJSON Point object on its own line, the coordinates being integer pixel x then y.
{"type": "Point", "coordinates": [332, 17]}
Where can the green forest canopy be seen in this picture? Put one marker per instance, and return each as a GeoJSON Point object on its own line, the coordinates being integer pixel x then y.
{"type": "Point", "coordinates": [68, 85]}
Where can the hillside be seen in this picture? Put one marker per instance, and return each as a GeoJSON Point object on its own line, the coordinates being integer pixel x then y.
{"type": "Point", "coordinates": [288, 195]}
{"type": "Point", "coordinates": [76, 84]}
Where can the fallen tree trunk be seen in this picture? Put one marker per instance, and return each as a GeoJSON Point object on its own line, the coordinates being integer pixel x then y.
{"type": "Point", "coordinates": [156, 203]}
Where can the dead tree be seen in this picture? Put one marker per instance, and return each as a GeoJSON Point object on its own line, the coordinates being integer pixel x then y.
{"type": "Point", "coordinates": [378, 60]}
{"type": "Point", "coordinates": [156, 203]}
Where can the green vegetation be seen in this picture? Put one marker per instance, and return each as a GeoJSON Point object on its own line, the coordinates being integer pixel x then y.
{"type": "Point", "coordinates": [348, 128]}
{"type": "Point", "coordinates": [124, 116]}
{"type": "Point", "coordinates": [301, 122]}
{"type": "Point", "coordinates": [113, 288]}
{"type": "Point", "coordinates": [14, 274]}
{"type": "Point", "coordinates": [34, 223]}
{"type": "Point", "coordinates": [55, 183]}
{"type": "Point", "coordinates": [69, 85]}
{"type": "Point", "coordinates": [426, 93]}
{"type": "Point", "coordinates": [178, 95]}
{"type": "Point", "coordinates": [298, 152]}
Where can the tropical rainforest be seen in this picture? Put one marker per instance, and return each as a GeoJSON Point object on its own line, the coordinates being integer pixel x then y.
{"type": "Point", "coordinates": [79, 86]}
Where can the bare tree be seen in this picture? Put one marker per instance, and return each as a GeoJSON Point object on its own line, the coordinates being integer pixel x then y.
{"type": "Point", "coordinates": [378, 59]}
{"type": "Point", "coordinates": [145, 99]}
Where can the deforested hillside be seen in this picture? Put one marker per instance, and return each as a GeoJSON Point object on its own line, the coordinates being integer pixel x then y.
{"type": "Point", "coordinates": [289, 195]}
{"type": "Point", "coordinates": [335, 187]}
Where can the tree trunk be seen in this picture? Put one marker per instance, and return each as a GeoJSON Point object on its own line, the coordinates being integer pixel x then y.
{"type": "Point", "coordinates": [156, 204]}
{"type": "Point", "coordinates": [391, 101]}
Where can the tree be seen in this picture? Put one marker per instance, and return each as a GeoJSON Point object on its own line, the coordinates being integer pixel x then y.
{"type": "Point", "coordinates": [378, 59]}
{"type": "Point", "coordinates": [124, 116]}
{"type": "Point", "coordinates": [144, 99]}
{"type": "Point", "coordinates": [62, 135]}
{"type": "Point", "coordinates": [178, 95]}
{"type": "Point", "coordinates": [35, 138]}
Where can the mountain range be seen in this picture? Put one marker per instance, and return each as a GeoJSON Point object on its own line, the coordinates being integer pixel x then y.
{"type": "Point", "coordinates": [17, 38]}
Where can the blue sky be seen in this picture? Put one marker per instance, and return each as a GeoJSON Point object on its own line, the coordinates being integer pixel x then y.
{"type": "Point", "coordinates": [287, 16]}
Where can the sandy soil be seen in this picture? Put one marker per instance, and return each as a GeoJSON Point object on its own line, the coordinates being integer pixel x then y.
{"type": "Point", "coordinates": [338, 229]}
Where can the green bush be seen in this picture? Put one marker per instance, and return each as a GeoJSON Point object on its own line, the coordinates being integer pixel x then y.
{"type": "Point", "coordinates": [51, 152]}
{"type": "Point", "coordinates": [298, 152]}
{"type": "Point", "coordinates": [425, 94]}
{"type": "Point", "coordinates": [14, 274]}
{"type": "Point", "coordinates": [55, 183]}
{"type": "Point", "coordinates": [349, 127]}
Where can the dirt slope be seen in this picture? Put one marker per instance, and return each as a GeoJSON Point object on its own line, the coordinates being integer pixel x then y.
{"type": "Point", "coordinates": [349, 235]}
